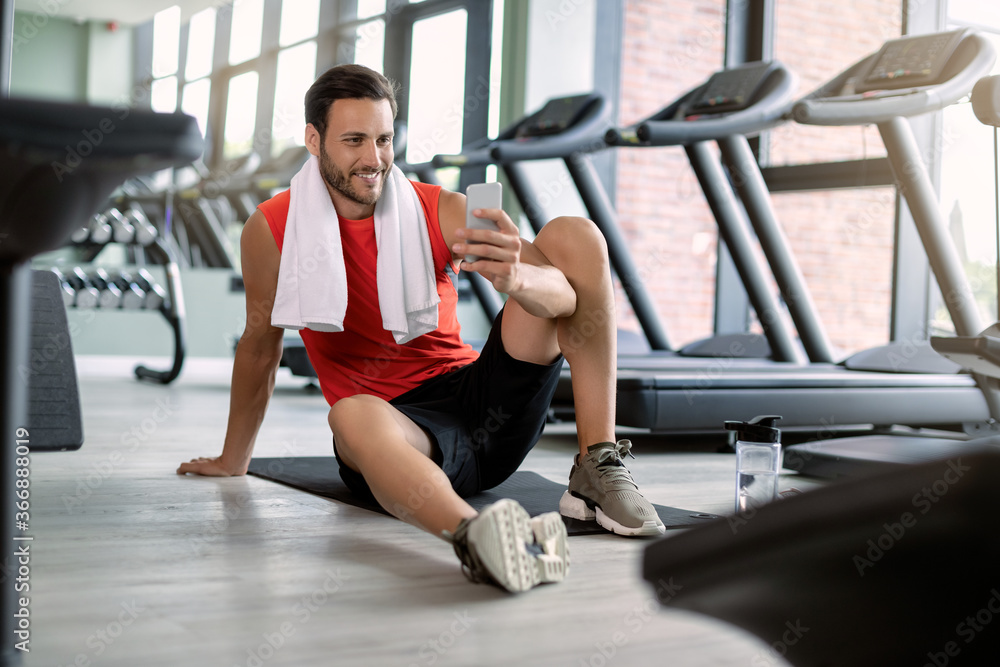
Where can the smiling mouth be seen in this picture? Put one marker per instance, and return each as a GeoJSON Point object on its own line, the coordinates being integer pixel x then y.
{"type": "Point", "coordinates": [369, 177]}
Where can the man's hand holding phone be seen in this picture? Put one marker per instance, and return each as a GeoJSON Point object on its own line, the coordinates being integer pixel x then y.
{"type": "Point", "coordinates": [491, 242]}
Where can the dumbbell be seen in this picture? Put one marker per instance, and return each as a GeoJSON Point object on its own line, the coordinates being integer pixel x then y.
{"type": "Point", "coordinates": [110, 296]}
{"type": "Point", "coordinates": [132, 295]}
{"type": "Point", "coordinates": [100, 229]}
{"type": "Point", "coordinates": [123, 231]}
{"type": "Point", "coordinates": [145, 231]}
{"type": "Point", "coordinates": [156, 296]}
{"type": "Point", "coordinates": [68, 293]}
{"type": "Point", "coordinates": [81, 234]}
{"type": "Point", "coordinates": [86, 294]}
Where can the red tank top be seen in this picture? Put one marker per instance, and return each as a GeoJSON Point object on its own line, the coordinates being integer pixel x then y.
{"type": "Point", "coordinates": [364, 358]}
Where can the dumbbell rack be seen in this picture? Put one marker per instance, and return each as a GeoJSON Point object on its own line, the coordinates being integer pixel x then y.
{"type": "Point", "coordinates": [156, 249]}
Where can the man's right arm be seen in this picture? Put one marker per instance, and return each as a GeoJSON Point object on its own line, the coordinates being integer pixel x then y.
{"type": "Point", "coordinates": [257, 354]}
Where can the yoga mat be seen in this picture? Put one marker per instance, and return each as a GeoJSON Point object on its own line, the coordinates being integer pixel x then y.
{"type": "Point", "coordinates": [319, 475]}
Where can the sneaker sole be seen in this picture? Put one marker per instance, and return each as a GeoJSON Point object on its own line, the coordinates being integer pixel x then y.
{"type": "Point", "coordinates": [501, 535]}
{"type": "Point", "coordinates": [647, 529]}
{"type": "Point", "coordinates": [576, 508]}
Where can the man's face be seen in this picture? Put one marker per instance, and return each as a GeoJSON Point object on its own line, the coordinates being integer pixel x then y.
{"type": "Point", "coordinates": [355, 155]}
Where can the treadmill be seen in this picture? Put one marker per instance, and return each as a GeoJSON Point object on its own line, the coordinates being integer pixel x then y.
{"type": "Point", "coordinates": [666, 391]}
{"type": "Point", "coordinates": [908, 77]}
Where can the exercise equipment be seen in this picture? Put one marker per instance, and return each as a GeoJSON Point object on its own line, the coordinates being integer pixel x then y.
{"type": "Point", "coordinates": [959, 59]}
{"type": "Point", "coordinates": [44, 196]}
{"type": "Point", "coordinates": [897, 568]}
{"type": "Point", "coordinates": [319, 475]}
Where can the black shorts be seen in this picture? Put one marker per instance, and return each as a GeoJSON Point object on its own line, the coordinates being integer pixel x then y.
{"type": "Point", "coordinates": [482, 418]}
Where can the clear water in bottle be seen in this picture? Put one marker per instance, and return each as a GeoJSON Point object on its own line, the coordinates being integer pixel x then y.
{"type": "Point", "coordinates": [755, 488]}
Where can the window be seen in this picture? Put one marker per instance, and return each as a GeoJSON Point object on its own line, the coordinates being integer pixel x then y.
{"type": "Point", "coordinates": [196, 100]}
{"type": "Point", "coordinates": [247, 32]}
{"type": "Point", "coordinates": [166, 48]}
{"type": "Point", "coordinates": [241, 115]}
{"type": "Point", "coordinates": [201, 44]}
{"type": "Point", "coordinates": [437, 82]}
{"type": "Point", "coordinates": [296, 72]}
{"type": "Point", "coordinates": [299, 21]}
{"type": "Point", "coordinates": [968, 183]}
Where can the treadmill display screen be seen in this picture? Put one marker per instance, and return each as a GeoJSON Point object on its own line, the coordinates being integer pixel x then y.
{"type": "Point", "coordinates": [556, 116]}
{"type": "Point", "coordinates": [730, 89]}
{"type": "Point", "coordinates": [911, 61]}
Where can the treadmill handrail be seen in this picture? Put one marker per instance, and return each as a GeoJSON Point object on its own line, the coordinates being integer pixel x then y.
{"type": "Point", "coordinates": [585, 136]}
{"type": "Point", "coordinates": [836, 104]}
{"type": "Point", "coordinates": [668, 127]}
{"type": "Point", "coordinates": [476, 154]}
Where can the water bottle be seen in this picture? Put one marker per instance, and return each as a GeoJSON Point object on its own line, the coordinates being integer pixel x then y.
{"type": "Point", "coordinates": [758, 460]}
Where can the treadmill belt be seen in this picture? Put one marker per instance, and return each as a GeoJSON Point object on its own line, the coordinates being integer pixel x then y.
{"type": "Point", "coordinates": [319, 475]}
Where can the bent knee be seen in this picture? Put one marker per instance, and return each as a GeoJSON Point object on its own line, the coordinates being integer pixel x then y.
{"type": "Point", "coordinates": [351, 416]}
{"type": "Point", "coordinates": [572, 233]}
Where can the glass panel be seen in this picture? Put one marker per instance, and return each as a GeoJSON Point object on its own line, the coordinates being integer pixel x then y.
{"type": "Point", "coordinates": [968, 190]}
{"type": "Point", "coordinates": [201, 44]}
{"type": "Point", "coordinates": [843, 242]}
{"type": "Point", "coordinates": [437, 85]}
{"type": "Point", "coordinates": [668, 48]}
{"type": "Point", "coordinates": [166, 41]}
{"type": "Point", "coordinates": [248, 26]}
{"type": "Point", "coordinates": [195, 101]}
{"type": "Point", "coordinates": [241, 115]}
{"type": "Point", "coordinates": [299, 20]}
{"type": "Point", "coordinates": [163, 96]}
{"type": "Point", "coordinates": [819, 45]}
{"type": "Point", "coordinates": [369, 44]}
{"type": "Point", "coordinates": [368, 8]}
{"type": "Point", "coordinates": [975, 11]}
{"type": "Point", "coordinates": [296, 72]}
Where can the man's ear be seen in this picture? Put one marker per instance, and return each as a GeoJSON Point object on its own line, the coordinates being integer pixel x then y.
{"type": "Point", "coordinates": [313, 140]}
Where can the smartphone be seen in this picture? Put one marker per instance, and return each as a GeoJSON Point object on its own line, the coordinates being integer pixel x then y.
{"type": "Point", "coordinates": [481, 195]}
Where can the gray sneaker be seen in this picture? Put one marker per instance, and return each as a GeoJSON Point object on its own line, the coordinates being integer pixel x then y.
{"type": "Point", "coordinates": [506, 547]}
{"type": "Point", "coordinates": [601, 488]}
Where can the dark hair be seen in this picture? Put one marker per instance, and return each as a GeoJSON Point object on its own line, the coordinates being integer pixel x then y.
{"type": "Point", "coordinates": [346, 82]}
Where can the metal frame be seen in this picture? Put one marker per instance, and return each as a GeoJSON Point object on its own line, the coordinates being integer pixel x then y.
{"type": "Point", "coordinates": [398, 47]}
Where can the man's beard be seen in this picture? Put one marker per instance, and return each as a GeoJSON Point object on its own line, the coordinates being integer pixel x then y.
{"type": "Point", "coordinates": [341, 182]}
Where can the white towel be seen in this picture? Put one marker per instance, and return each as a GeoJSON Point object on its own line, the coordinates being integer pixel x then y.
{"type": "Point", "coordinates": [312, 281]}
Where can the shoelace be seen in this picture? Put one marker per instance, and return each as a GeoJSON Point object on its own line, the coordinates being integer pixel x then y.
{"type": "Point", "coordinates": [472, 567]}
{"type": "Point", "coordinates": [611, 467]}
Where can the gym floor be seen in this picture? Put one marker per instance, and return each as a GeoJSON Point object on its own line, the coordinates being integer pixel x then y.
{"type": "Point", "coordinates": [134, 565]}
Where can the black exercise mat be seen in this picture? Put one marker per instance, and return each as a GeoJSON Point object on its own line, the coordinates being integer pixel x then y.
{"type": "Point", "coordinates": [319, 475]}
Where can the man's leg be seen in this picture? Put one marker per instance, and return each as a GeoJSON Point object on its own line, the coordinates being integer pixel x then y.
{"type": "Point", "coordinates": [502, 545]}
{"type": "Point", "coordinates": [394, 456]}
{"type": "Point", "coordinates": [587, 338]}
{"type": "Point", "coordinates": [600, 487]}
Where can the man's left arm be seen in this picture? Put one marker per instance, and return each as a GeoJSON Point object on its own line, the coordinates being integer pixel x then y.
{"type": "Point", "coordinates": [512, 265]}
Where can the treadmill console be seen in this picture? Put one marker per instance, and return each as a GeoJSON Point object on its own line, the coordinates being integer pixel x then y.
{"type": "Point", "coordinates": [556, 116]}
{"type": "Point", "coordinates": [729, 89]}
{"type": "Point", "coordinates": [919, 60]}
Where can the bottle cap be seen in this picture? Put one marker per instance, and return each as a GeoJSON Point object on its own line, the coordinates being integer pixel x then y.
{"type": "Point", "coordinates": [758, 429]}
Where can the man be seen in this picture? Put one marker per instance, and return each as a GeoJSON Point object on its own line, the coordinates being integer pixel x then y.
{"type": "Point", "coordinates": [429, 418]}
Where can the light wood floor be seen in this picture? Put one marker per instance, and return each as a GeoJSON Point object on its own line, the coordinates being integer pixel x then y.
{"type": "Point", "coordinates": [134, 565]}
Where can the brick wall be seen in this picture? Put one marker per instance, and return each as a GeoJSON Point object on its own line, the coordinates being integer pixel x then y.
{"type": "Point", "coordinates": [842, 239]}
